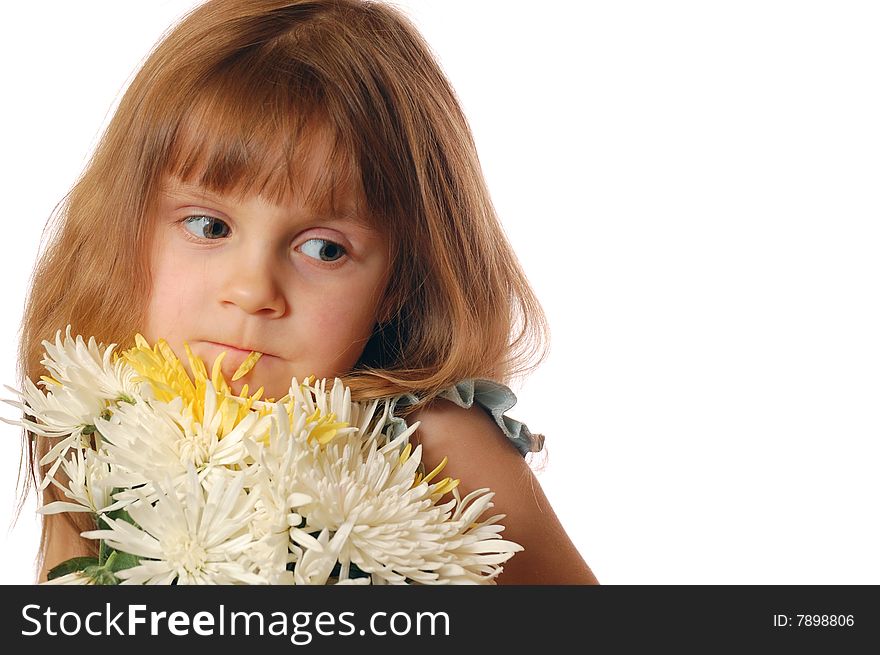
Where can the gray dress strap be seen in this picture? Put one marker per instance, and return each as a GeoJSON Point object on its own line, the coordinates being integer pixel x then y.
{"type": "Point", "coordinates": [492, 396]}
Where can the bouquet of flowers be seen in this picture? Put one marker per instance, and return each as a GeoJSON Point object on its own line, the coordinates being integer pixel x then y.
{"type": "Point", "coordinates": [189, 483]}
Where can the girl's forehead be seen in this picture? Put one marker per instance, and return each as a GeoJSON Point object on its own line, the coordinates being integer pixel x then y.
{"type": "Point", "coordinates": [312, 170]}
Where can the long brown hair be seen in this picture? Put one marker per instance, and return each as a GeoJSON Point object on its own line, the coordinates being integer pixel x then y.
{"type": "Point", "coordinates": [228, 99]}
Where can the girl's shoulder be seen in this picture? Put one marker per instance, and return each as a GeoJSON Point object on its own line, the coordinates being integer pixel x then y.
{"type": "Point", "coordinates": [493, 397]}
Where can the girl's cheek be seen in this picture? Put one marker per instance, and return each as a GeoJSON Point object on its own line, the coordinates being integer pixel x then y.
{"type": "Point", "coordinates": [339, 325]}
{"type": "Point", "coordinates": [325, 320]}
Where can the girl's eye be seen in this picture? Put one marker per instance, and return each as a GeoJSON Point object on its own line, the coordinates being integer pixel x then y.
{"type": "Point", "coordinates": [327, 251]}
{"type": "Point", "coordinates": [207, 227]}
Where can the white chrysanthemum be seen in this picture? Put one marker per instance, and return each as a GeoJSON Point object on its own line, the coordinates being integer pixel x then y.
{"type": "Point", "coordinates": [473, 551]}
{"type": "Point", "coordinates": [394, 531]}
{"type": "Point", "coordinates": [85, 383]}
{"type": "Point", "coordinates": [88, 486]}
{"type": "Point", "coordinates": [90, 368]}
{"type": "Point", "coordinates": [63, 414]}
{"type": "Point", "coordinates": [270, 481]}
{"type": "Point", "coordinates": [59, 412]}
{"type": "Point", "coordinates": [189, 535]}
{"type": "Point", "coordinates": [320, 556]}
{"type": "Point", "coordinates": [272, 475]}
{"type": "Point", "coordinates": [310, 492]}
{"type": "Point", "coordinates": [351, 499]}
{"type": "Point", "coordinates": [147, 441]}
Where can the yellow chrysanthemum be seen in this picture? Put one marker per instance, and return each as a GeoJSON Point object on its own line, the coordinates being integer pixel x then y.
{"type": "Point", "coordinates": [165, 373]}
{"type": "Point", "coordinates": [444, 486]}
{"type": "Point", "coordinates": [245, 367]}
{"type": "Point", "coordinates": [167, 377]}
{"type": "Point", "coordinates": [325, 427]}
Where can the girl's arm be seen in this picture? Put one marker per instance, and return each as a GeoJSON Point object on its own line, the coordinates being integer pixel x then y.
{"type": "Point", "coordinates": [480, 455]}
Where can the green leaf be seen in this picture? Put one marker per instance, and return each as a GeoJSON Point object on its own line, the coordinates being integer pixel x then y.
{"type": "Point", "coordinates": [121, 514]}
{"type": "Point", "coordinates": [105, 574]}
{"type": "Point", "coordinates": [120, 561]}
{"type": "Point", "coordinates": [104, 553]}
{"type": "Point", "coordinates": [101, 575]}
{"type": "Point", "coordinates": [109, 559]}
{"type": "Point", "coordinates": [72, 565]}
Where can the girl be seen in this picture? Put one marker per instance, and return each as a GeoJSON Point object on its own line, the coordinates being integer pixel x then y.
{"type": "Point", "coordinates": [297, 178]}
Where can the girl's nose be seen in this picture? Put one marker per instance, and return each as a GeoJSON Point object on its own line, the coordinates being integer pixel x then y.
{"type": "Point", "coordinates": [252, 287]}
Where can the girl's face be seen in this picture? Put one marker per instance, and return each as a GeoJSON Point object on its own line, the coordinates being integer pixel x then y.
{"type": "Point", "coordinates": [242, 275]}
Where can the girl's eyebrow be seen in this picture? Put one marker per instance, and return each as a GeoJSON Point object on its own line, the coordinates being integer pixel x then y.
{"type": "Point", "coordinates": [188, 191]}
{"type": "Point", "coordinates": [347, 213]}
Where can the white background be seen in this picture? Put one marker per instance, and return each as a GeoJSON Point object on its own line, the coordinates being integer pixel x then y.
{"type": "Point", "coordinates": [692, 188]}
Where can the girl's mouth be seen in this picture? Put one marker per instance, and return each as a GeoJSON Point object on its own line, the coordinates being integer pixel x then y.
{"type": "Point", "coordinates": [233, 350]}
{"type": "Point", "coordinates": [234, 362]}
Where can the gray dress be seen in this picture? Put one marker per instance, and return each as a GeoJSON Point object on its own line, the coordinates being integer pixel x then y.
{"type": "Point", "coordinates": [493, 397]}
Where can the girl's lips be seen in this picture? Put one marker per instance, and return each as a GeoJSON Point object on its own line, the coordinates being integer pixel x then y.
{"type": "Point", "coordinates": [225, 346]}
{"type": "Point", "coordinates": [233, 350]}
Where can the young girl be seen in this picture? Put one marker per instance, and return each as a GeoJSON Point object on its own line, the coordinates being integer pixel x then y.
{"type": "Point", "coordinates": [297, 178]}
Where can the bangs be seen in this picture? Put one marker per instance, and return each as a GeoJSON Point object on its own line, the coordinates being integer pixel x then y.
{"type": "Point", "coordinates": [248, 132]}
